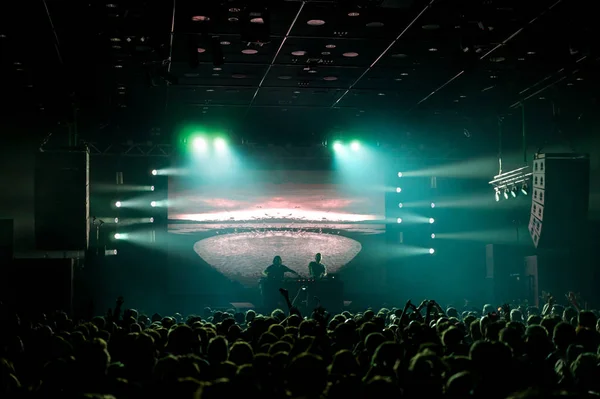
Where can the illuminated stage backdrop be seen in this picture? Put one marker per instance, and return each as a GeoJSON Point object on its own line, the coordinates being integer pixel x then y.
{"type": "Point", "coordinates": [244, 255]}
{"type": "Point", "coordinates": [239, 224]}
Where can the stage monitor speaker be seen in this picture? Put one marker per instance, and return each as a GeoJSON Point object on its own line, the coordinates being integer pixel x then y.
{"type": "Point", "coordinates": [505, 267]}
{"type": "Point", "coordinates": [563, 270]}
{"type": "Point", "coordinates": [38, 285]}
{"type": "Point", "coordinates": [62, 201]}
{"type": "Point", "coordinates": [6, 240]}
{"type": "Point", "coordinates": [560, 199]}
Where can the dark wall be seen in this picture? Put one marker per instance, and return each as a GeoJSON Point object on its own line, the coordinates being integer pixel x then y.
{"type": "Point", "coordinates": [17, 154]}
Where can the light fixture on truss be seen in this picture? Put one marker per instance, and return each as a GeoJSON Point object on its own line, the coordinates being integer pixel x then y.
{"type": "Point", "coordinates": [508, 182]}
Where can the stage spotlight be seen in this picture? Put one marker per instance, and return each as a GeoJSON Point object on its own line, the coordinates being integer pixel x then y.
{"type": "Point", "coordinates": [355, 146]}
{"type": "Point", "coordinates": [431, 251]}
{"type": "Point", "coordinates": [337, 146]}
{"type": "Point", "coordinates": [514, 192]}
{"type": "Point", "coordinates": [151, 220]}
{"type": "Point", "coordinates": [506, 193]}
{"type": "Point", "coordinates": [398, 190]}
{"type": "Point", "coordinates": [118, 204]}
{"type": "Point", "coordinates": [433, 204]}
{"type": "Point", "coordinates": [220, 144]}
{"type": "Point", "coordinates": [153, 204]}
{"type": "Point", "coordinates": [525, 189]}
{"type": "Point", "coordinates": [199, 144]}
{"type": "Point", "coordinates": [432, 236]}
{"type": "Point", "coordinates": [431, 220]}
{"type": "Point", "coordinates": [151, 188]}
{"type": "Point", "coordinates": [497, 195]}
{"type": "Point", "coordinates": [399, 174]}
{"type": "Point", "coordinates": [154, 172]}
{"type": "Point", "coordinates": [399, 220]}
{"type": "Point", "coordinates": [400, 205]}
{"type": "Point", "coordinates": [116, 220]}
{"type": "Point", "coordinates": [118, 236]}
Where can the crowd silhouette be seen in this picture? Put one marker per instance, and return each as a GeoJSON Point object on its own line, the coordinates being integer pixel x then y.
{"type": "Point", "coordinates": [415, 351]}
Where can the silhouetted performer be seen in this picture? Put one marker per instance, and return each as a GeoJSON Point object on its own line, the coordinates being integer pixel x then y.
{"type": "Point", "coordinates": [273, 281]}
{"type": "Point", "coordinates": [277, 270]}
{"type": "Point", "coordinates": [316, 269]}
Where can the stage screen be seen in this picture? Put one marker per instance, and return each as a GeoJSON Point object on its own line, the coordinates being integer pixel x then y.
{"type": "Point", "coordinates": [237, 224]}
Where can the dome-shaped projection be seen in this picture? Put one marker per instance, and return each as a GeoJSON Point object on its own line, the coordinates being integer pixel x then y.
{"type": "Point", "coordinates": [244, 256]}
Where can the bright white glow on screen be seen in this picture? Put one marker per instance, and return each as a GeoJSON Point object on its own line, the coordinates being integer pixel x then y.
{"type": "Point", "coordinates": [355, 146]}
{"type": "Point", "coordinates": [118, 204]}
{"type": "Point", "coordinates": [398, 190]}
{"type": "Point", "coordinates": [276, 214]}
{"type": "Point", "coordinates": [277, 196]}
{"type": "Point", "coordinates": [431, 220]}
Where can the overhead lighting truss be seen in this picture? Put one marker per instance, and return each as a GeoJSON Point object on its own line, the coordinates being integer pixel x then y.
{"type": "Point", "coordinates": [131, 150]}
{"type": "Point", "coordinates": [510, 184]}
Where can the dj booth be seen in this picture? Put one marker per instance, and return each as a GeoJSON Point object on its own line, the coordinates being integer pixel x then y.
{"type": "Point", "coordinates": [328, 292]}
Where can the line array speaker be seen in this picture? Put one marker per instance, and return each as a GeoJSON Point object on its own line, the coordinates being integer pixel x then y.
{"type": "Point", "coordinates": [560, 199]}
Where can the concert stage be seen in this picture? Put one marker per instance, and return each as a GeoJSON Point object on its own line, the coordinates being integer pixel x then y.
{"type": "Point", "coordinates": [220, 218]}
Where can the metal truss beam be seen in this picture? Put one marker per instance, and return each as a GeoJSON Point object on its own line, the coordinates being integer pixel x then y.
{"type": "Point", "coordinates": [265, 152]}
{"type": "Point", "coordinates": [131, 149]}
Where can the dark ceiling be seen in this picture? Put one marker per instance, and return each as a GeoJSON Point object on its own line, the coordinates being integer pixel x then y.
{"type": "Point", "coordinates": [299, 72]}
